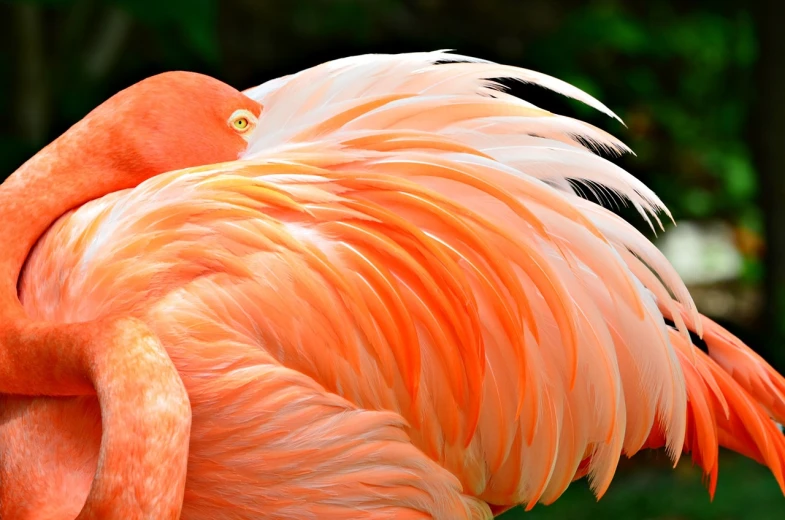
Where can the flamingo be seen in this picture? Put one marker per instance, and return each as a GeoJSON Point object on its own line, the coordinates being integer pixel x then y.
{"type": "Point", "coordinates": [366, 290]}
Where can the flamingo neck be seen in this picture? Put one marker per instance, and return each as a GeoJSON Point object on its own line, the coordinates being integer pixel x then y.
{"type": "Point", "coordinates": [43, 189]}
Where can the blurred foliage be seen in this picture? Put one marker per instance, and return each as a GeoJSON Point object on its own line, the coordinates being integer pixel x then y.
{"type": "Point", "coordinates": [679, 75]}
{"type": "Point", "coordinates": [681, 80]}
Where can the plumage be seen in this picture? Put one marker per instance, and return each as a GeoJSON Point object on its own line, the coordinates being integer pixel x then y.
{"type": "Point", "coordinates": [394, 304]}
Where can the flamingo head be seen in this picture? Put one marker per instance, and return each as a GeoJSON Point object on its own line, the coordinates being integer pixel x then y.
{"type": "Point", "coordinates": [168, 122]}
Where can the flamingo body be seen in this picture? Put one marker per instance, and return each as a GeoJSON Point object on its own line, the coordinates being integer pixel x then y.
{"type": "Point", "coordinates": [393, 305]}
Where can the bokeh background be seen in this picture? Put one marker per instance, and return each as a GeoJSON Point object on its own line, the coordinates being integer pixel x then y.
{"type": "Point", "coordinates": [701, 87]}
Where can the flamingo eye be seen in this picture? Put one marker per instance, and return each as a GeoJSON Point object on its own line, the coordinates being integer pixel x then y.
{"type": "Point", "coordinates": [242, 121]}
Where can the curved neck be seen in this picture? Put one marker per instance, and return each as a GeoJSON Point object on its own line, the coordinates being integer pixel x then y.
{"type": "Point", "coordinates": [42, 190]}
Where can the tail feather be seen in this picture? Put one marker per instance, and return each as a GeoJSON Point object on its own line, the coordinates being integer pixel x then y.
{"type": "Point", "coordinates": [748, 369]}
{"type": "Point", "coordinates": [724, 410]}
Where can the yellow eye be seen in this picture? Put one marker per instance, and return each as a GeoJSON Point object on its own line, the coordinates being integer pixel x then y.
{"type": "Point", "coordinates": [242, 122]}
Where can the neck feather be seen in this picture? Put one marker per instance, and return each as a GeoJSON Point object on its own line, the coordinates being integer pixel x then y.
{"type": "Point", "coordinates": [59, 178]}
